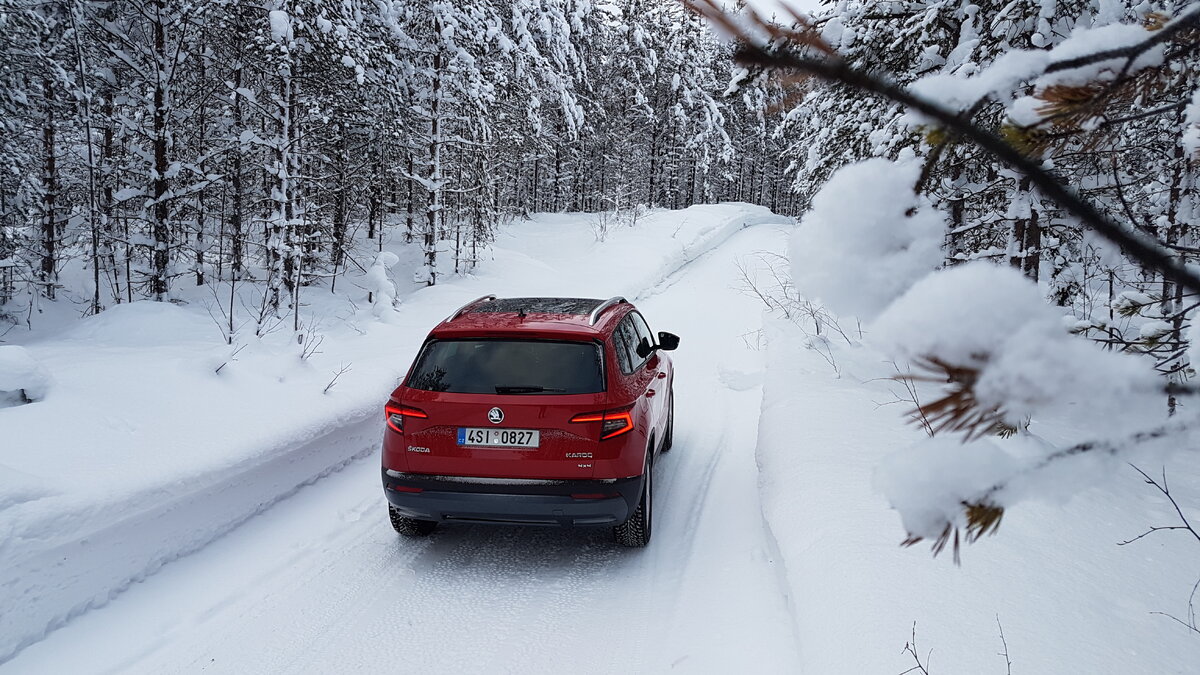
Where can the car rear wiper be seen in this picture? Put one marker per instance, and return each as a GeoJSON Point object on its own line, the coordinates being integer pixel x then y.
{"type": "Point", "coordinates": [524, 389]}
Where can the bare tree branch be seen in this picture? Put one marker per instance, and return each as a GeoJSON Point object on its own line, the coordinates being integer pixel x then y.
{"type": "Point", "coordinates": [1007, 658]}
{"type": "Point", "coordinates": [911, 648]}
{"type": "Point", "coordinates": [1166, 491]}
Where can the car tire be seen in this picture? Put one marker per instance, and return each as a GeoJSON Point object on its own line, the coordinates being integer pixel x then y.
{"type": "Point", "coordinates": [411, 527]}
{"type": "Point", "coordinates": [669, 436]}
{"type": "Point", "coordinates": [635, 532]}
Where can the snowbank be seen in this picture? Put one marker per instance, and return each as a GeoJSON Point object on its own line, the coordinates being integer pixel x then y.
{"type": "Point", "coordinates": [148, 451]}
{"type": "Point", "coordinates": [21, 377]}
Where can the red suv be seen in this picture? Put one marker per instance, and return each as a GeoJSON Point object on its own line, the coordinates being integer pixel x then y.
{"type": "Point", "coordinates": [545, 411]}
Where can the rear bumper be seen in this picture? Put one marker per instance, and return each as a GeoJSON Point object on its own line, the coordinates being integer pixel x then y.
{"type": "Point", "coordinates": [512, 500]}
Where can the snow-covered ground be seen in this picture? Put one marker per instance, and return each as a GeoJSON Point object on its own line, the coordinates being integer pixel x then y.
{"type": "Point", "coordinates": [1067, 597]}
{"type": "Point", "coordinates": [156, 516]}
{"type": "Point", "coordinates": [120, 495]}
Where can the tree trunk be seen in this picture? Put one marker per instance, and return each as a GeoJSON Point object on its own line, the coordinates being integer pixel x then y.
{"type": "Point", "coordinates": [160, 218]}
{"type": "Point", "coordinates": [429, 243]}
{"type": "Point", "coordinates": [49, 262]}
{"type": "Point", "coordinates": [107, 214]}
{"type": "Point", "coordinates": [1016, 241]}
{"type": "Point", "coordinates": [692, 187]}
{"type": "Point", "coordinates": [339, 199]}
{"type": "Point", "coordinates": [1033, 245]}
{"type": "Point", "coordinates": [201, 146]}
{"type": "Point", "coordinates": [93, 224]}
{"type": "Point", "coordinates": [651, 199]}
{"type": "Point", "coordinates": [408, 204]}
{"type": "Point", "coordinates": [1172, 294]}
{"type": "Point", "coordinates": [236, 207]}
{"type": "Point", "coordinates": [537, 162]}
{"type": "Point", "coordinates": [558, 180]}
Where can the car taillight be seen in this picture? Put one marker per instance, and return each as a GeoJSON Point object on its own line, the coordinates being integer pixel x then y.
{"type": "Point", "coordinates": [614, 422]}
{"type": "Point", "coordinates": [396, 413]}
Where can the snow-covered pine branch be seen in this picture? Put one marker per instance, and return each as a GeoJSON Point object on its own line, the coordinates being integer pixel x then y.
{"type": "Point", "coordinates": [1052, 144]}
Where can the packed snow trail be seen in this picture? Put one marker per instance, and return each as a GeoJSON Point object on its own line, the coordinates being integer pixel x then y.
{"type": "Point", "coordinates": [320, 583]}
{"type": "Point", "coordinates": [192, 436]}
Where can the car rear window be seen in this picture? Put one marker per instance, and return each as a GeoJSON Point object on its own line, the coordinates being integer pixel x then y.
{"type": "Point", "coordinates": [509, 367]}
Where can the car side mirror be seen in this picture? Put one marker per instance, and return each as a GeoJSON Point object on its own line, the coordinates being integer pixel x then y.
{"type": "Point", "coordinates": [644, 349]}
{"type": "Point", "coordinates": [668, 341]}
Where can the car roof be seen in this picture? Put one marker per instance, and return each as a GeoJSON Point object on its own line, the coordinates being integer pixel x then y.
{"type": "Point", "coordinates": [537, 317]}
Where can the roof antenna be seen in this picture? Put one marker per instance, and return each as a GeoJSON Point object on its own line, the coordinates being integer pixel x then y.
{"type": "Point", "coordinates": [521, 313]}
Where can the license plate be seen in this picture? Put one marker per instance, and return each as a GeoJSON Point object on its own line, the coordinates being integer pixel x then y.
{"type": "Point", "coordinates": [498, 438]}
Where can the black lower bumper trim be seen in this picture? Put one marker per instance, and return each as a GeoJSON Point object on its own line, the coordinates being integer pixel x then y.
{"type": "Point", "coordinates": [523, 502]}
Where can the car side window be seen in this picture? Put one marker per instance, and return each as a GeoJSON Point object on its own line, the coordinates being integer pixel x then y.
{"type": "Point", "coordinates": [643, 330]}
{"type": "Point", "coordinates": [626, 336]}
{"type": "Point", "coordinates": [624, 356]}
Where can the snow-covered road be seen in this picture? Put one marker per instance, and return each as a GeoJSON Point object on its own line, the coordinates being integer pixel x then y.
{"type": "Point", "coordinates": [320, 583]}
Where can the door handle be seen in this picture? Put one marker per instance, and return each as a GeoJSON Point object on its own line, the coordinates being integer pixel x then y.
{"type": "Point", "coordinates": [649, 393]}
{"type": "Point", "coordinates": [661, 375]}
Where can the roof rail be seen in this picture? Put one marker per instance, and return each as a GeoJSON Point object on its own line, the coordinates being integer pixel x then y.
{"type": "Point", "coordinates": [595, 315]}
{"type": "Point", "coordinates": [458, 312]}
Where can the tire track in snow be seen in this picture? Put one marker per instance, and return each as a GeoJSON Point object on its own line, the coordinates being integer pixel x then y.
{"type": "Point", "coordinates": [701, 250]}
{"type": "Point", "coordinates": [564, 578]}
{"type": "Point", "coordinates": [671, 277]}
{"type": "Point", "coordinates": [729, 456]}
{"type": "Point", "coordinates": [698, 501]}
{"type": "Point", "coordinates": [461, 564]}
{"type": "Point", "coordinates": [556, 602]}
{"type": "Point", "coordinates": [779, 564]}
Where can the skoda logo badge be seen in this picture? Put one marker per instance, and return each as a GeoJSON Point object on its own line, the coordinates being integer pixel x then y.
{"type": "Point", "coordinates": [495, 416]}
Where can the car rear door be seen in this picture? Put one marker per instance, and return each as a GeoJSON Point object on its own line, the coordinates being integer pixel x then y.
{"type": "Point", "coordinates": [657, 390]}
{"type": "Point", "coordinates": [640, 380]}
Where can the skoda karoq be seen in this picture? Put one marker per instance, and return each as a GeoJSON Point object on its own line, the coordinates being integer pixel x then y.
{"type": "Point", "coordinates": [546, 411]}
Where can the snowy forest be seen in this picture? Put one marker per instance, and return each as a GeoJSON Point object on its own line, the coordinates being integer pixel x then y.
{"type": "Point", "coordinates": [151, 145]}
{"type": "Point", "coordinates": [156, 144]}
{"type": "Point", "coordinates": [160, 143]}
{"type": "Point", "coordinates": [934, 266]}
